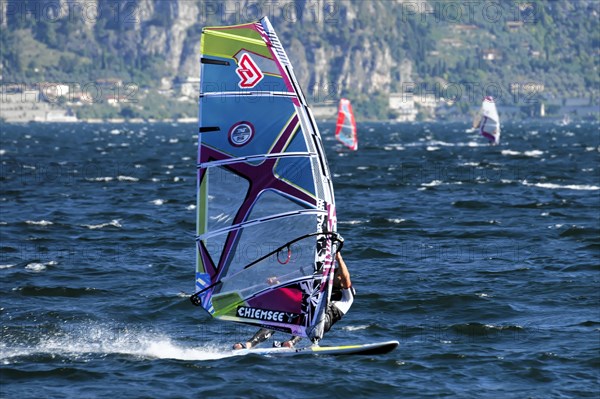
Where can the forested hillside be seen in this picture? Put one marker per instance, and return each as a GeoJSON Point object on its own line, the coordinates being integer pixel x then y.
{"type": "Point", "coordinates": [365, 50]}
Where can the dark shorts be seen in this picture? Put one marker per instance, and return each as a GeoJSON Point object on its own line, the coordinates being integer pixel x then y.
{"type": "Point", "coordinates": [332, 316]}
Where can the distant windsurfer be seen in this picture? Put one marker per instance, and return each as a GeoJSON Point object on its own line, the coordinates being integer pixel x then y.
{"type": "Point", "coordinates": [488, 121]}
{"type": "Point", "coordinates": [342, 297]}
{"type": "Point", "coordinates": [491, 137]}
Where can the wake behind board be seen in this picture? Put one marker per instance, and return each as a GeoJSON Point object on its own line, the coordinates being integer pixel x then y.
{"type": "Point", "coordinates": [378, 348]}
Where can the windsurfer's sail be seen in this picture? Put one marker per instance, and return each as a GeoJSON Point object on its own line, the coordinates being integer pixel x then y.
{"type": "Point", "coordinates": [266, 223]}
{"type": "Point", "coordinates": [345, 130]}
{"type": "Point", "coordinates": [489, 122]}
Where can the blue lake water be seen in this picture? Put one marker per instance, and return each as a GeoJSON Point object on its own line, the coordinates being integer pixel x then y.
{"type": "Point", "coordinates": [482, 261]}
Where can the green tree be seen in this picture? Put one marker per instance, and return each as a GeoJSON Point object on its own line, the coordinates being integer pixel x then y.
{"type": "Point", "coordinates": [45, 32]}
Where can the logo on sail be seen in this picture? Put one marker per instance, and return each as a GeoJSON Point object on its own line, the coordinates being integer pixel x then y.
{"type": "Point", "coordinates": [267, 315]}
{"type": "Point", "coordinates": [248, 72]}
{"type": "Point", "coordinates": [241, 133]}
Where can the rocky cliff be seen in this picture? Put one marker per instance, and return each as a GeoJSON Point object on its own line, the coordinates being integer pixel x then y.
{"type": "Point", "coordinates": [324, 67]}
{"type": "Point", "coordinates": [360, 48]}
{"type": "Point", "coordinates": [170, 30]}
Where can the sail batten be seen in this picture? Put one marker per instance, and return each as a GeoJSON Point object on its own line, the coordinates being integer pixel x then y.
{"type": "Point", "coordinates": [247, 93]}
{"type": "Point", "coordinates": [266, 209]}
{"type": "Point", "coordinates": [255, 158]}
{"type": "Point", "coordinates": [205, 60]}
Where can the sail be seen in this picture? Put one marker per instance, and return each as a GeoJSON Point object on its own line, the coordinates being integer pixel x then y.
{"type": "Point", "coordinates": [489, 125]}
{"type": "Point", "coordinates": [266, 222]}
{"type": "Point", "coordinates": [345, 130]}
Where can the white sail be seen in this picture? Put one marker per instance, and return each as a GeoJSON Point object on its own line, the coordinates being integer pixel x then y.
{"type": "Point", "coordinates": [489, 124]}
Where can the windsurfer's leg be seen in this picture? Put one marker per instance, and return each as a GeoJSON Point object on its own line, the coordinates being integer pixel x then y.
{"type": "Point", "coordinates": [291, 342]}
{"type": "Point", "coordinates": [261, 335]}
{"type": "Point", "coordinates": [337, 309]}
{"type": "Point", "coordinates": [332, 316]}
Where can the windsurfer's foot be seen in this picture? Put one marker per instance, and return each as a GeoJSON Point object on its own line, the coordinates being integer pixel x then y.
{"type": "Point", "coordinates": [239, 345]}
{"type": "Point", "coordinates": [291, 343]}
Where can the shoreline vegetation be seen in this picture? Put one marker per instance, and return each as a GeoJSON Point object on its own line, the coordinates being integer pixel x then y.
{"type": "Point", "coordinates": [54, 102]}
{"type": "Point", "coordinates": [416, 61]}
{"type": "Point", "coordinates": [13, 110]}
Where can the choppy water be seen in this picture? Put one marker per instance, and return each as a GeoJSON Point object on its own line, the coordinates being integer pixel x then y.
{"type": "Point", "coordinates": [482, 261]}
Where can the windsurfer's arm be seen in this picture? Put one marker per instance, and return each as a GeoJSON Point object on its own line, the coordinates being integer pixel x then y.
{"type": "Point", "coordinates": [346, 284]}
{"type": "Point", "coordinates": [345, 281]}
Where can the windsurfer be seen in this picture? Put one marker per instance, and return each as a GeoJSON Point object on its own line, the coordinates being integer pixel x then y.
{"type": "Point", "coordinates": [342, 297]}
